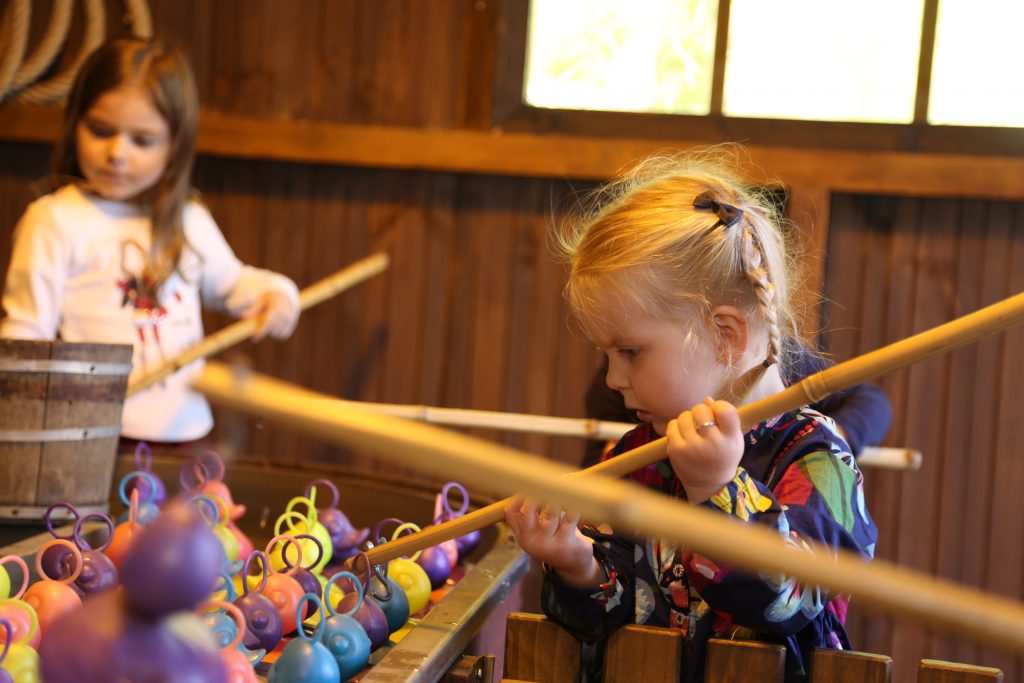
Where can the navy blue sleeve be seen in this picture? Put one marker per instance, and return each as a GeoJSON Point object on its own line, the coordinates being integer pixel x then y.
{"type": "Point", "coordinates": [591, 614]}
{"type": "Point", "coordinates": [863, 411]}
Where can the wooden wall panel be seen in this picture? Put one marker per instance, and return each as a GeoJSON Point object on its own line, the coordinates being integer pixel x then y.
{"type": "Point", "coordinates": [898, 266]}
{"type": "Point", "coordinates": [389, 62]}
{"type": "Point", "coordinates": [995, 259]}
{"type": "Point", "coordinates": [469, 313]}
{"type": "Point", "coordinates": [22, 165]}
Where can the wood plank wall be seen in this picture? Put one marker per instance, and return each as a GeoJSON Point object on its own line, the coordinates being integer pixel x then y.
{"type": "Point", "coordinates": [470, 312]}
{"type": "Point", "coordinates": [897, 266]}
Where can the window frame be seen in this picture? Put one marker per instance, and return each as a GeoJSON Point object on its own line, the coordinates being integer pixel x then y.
{"type": "Point", "coordinates": [510, 111]}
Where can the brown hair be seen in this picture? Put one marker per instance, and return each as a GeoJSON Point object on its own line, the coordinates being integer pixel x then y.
{"type": "Point", "coordinates": [644, 240]}
{"type": "Point", "coordinates": [165, 74]}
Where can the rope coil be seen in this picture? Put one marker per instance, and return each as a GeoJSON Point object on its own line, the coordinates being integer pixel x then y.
{"type": "Point", "coordinates": [19, 75]}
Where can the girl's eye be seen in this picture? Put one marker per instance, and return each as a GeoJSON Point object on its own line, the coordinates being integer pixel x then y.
{"type": "Point", "coordinates": [629, 354]}
{"type": "Point", "coordinates": [145, 140]}
{"type": "Point", "coordinates": [99, 130]}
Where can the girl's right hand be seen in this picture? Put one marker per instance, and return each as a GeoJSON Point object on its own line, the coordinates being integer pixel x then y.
{"type": "Point", "coordinates": [276, 315]}
{"type": "Point", "coordinates": [705, 445]}
{"type": "Point", "coordinates": [553, 537]}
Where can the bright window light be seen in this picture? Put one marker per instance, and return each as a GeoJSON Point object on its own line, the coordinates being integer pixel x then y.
{"type": "Point", "coordinates": [977, 62]}
{"type": "Point", "coordinates": [826, 60]}
{"type": "Point", "coordinates": [621, 55]}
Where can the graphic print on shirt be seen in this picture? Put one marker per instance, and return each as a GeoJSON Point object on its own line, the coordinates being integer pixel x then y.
{"type": "Point", "coordinates": [139, 293]}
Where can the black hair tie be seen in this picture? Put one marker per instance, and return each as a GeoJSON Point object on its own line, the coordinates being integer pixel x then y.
{"type": "Point", "coordinates": [728, 215]}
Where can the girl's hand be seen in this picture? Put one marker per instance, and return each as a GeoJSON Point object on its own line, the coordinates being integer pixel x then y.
{"type": "Point", "coordinates": [552, 536]}
{"type": "Point", "coordinates": [705, 445]}
{"type": "Point", "coordinates": [275, 315]}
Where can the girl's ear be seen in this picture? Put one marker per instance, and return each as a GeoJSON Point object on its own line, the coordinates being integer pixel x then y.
{"type": "Point", "coordinates": [733, 333]}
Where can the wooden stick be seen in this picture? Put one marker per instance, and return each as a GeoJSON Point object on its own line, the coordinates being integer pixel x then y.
{"type": "Point", "coordinates": [627, 506]}
{"type": "Point", "coordinates": [602, 430]}
{"type": "Point", "coordinates": [889, 457]}
{"type": "Point", "coordinates": [243, 329]}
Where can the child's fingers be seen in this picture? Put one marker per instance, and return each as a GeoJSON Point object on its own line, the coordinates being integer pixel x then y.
{"type": "Point", "coordinates": [275, 323]}
{"type": "Point", "coordinates": [688, 426]}
{"type": "Point", "coordinates": [274, 316]}
{"type": "Point", "coordinates": [261, 331]}
{"type": "Point", "coordinates": [568, 529]}
{"type": "Point", "coordinates": [258, 313]}
{"type": "Point", "coordinates": [673, 431]}
{"type": "Point", "coordinates": [281, 317]}
{"type": "Point", "coordinates": [704, 421]}
{"type": "Point", "coordinates": [571, 519]}
{"type": "Point", "coordinates": [726, 415]}
{"type": "Point", "coordinates": [552, 512]}
{"type": "Point", "coordinates": [528, 516]}
{"type": "Point", "coordinates": [512, 514]}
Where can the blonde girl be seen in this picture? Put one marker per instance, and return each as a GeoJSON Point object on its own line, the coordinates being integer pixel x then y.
{"type": "Point", "coordinates": [679, 273]}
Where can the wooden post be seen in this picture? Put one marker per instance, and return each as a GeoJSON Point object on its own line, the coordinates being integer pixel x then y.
{"type": "Point", "coordinates": [934, 671]}
{"type": "Point", "coordinates": [844, 666]}
{"type": "Point", "coordinates": [643, 653]}
{"type": "Point", "coordinates": [540, 650]}
{"type": "Point", "coordinates": [744, 660]}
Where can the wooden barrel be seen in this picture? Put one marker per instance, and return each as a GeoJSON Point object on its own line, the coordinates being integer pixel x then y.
{"type": "Point", "coordinates": [60, 424]}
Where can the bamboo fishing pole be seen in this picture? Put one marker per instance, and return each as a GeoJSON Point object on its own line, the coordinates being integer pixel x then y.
{"type": "Point", "coordinates": [946, 337]}
{"type": "Point", "coordinates": [241, 330]}
{"type": "Point", "coordinates": [550, 425]}
{"type": "Point", "coordinates": [888, 457]}
{"type": "Point", "coordinates": [626, 506]}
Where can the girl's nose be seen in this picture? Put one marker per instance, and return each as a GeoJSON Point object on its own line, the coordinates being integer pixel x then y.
{"type": "Point", "coordinates": [615, 378]}
{"type": "Point", "coordinates": [117, 150]}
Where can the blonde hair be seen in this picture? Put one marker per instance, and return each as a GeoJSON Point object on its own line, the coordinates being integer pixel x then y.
{"type": "Point", "coordinates": [645, 242]}
{"type": "Point", "coordinates": [166, 75]}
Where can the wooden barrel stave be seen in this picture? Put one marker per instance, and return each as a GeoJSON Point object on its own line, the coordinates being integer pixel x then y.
{"type": "Point", "coordinates": [60, 428]}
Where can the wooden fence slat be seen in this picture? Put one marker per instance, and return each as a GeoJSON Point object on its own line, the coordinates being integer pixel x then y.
{"type": "Point", "coordinates": [537, 649]}
{"type": "Point", "coordinates": [744, 660]}
{"type": "Point", "coordinates": [845, 666]}
{"type": "Point", "coordinates": [643, 653]}
{"type": "Point", "coordinates": [935, 671]}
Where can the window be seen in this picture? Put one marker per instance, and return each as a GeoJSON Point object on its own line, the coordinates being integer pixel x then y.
{"type": "Point", "coordinates": [909, 62]}
{"type": "Point", "coordinates": [976, 69]}
{"type": "Point", "coordinates": [648, 56]}
{"type": "Point", "coordinates": [823, 60]}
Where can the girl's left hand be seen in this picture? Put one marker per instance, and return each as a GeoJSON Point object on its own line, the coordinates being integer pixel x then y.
{"type": "Point", "coordinates": [705, 445]}
{"type": "Point", "coordinates": [552, 536]}
{"type": "Point", "coordinates": [275, 316]}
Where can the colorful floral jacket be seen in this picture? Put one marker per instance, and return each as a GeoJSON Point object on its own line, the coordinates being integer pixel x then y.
{"type": "Point", "coordinates": [796, 476]}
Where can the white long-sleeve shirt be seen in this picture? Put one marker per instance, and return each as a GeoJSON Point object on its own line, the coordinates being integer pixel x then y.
{"type": "Point", "coordinates": [75, 275]}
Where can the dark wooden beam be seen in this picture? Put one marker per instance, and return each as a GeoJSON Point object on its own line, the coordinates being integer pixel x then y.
{"type": "Point", "coordinates": [565, 156]}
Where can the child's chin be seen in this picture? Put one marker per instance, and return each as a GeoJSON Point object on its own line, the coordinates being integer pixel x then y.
{"type": "Point", "coordinates": [659, 427]}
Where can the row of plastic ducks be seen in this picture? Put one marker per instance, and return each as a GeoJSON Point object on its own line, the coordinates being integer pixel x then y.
{"type": "Point", "coordinates": [175, 593]}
